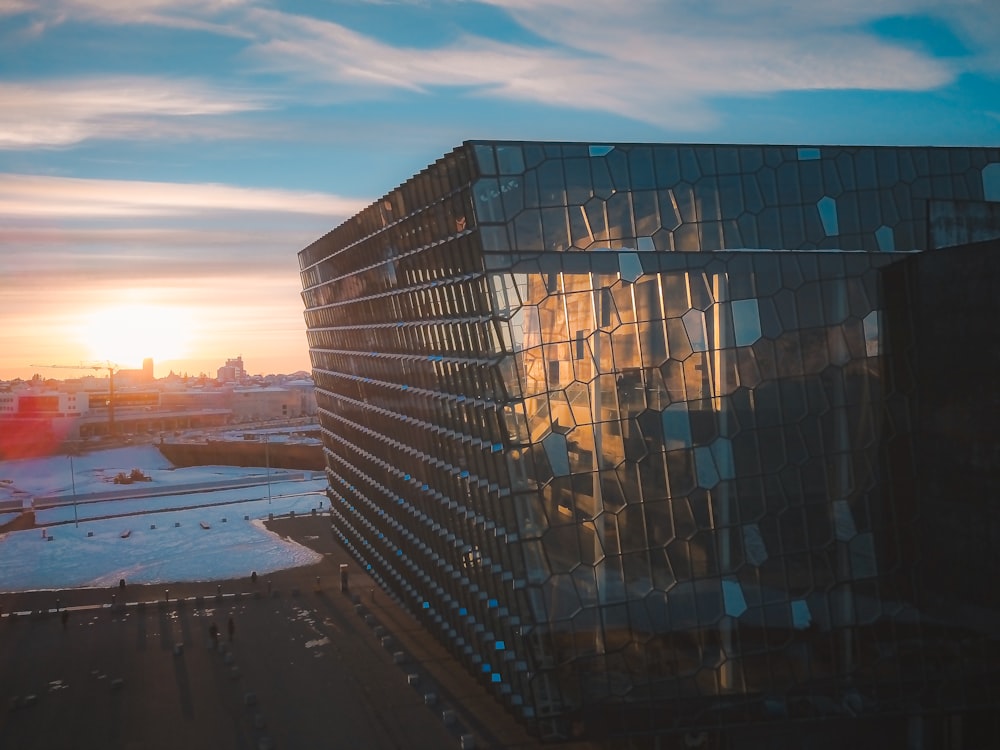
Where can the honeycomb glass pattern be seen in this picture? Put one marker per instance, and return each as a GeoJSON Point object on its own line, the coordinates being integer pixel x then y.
{"type": "Point", "coordinates": [633, 429]}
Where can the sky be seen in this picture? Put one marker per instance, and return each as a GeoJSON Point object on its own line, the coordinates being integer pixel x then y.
{"type": "Point", "coordinates": [162, 162]}
{"type": "Point", "coordinates": [87, 552]}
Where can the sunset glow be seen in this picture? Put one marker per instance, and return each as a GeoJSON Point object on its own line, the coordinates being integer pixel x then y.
{"type": "Point", "coordinates": [127, 334]}
{"type": "Point", "coordinates": [153, 201]}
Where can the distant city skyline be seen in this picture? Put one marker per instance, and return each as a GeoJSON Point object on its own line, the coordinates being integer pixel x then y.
{"type": "Point", "coordinates": [99, 370]}
{"type": "Point", "coordinates": [162, 162]}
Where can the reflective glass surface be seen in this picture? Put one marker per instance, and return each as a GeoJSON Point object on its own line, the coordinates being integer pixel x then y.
{"type": "Point", "coordinates": [634, 428]}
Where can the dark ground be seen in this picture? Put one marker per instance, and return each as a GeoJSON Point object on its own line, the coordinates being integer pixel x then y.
{"type": "Point", "coordinates": [307, 667]}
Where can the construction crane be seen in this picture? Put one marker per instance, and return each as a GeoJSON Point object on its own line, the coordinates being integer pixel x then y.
{"type": "Point", "coordinates": [112, 369]}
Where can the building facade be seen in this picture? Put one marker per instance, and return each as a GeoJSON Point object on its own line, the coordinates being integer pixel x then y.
{"type": "Point", "coordinates": [634, 429]}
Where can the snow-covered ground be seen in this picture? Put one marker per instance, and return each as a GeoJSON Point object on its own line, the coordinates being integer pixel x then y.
{"type": "Point", "coordinates": [147, 539]}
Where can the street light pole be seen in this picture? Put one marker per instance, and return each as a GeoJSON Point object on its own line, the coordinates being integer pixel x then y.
{"type": "Point", "coordinates": [72, 480]}
{"type": "Point", "coordinates": [267, 461]}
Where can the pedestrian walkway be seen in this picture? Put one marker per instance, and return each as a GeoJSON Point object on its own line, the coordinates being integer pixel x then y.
{"type": "Point", "coordinates": [306, 666]}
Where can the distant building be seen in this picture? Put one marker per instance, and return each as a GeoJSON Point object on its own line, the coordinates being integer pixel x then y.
{"type": "Point", "coordinates": [265, 403]}
{"type": "Point", "coordinates": [232, 371]}
{"type": "Point", "coordinates": [144, 376]}
{"type": "Point", "coordinates": [34, 402]}
{"type": "Point", "coordinates": [680, 438]}
{"type": "Point", "coordinates": [306, 390]}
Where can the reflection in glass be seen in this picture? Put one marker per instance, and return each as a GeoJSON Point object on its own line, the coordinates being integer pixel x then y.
{"type": "Point", "coordinates": [828, 215]}
{"type": "Point", "coordinates": [991, 182]}
{"type": "Point", "coordinates": [885, 239]}
{"type": "Point", "coordinates": [675, 486]}
{"type": "Point", "coordinates": [746, 321]}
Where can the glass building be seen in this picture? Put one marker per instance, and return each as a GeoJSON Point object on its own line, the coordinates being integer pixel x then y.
{"type": "Point", "coordinates": [662, 438]}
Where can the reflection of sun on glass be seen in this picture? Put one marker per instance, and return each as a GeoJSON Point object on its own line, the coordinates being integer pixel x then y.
{"type": "Point", "coordinates": [127, 334]}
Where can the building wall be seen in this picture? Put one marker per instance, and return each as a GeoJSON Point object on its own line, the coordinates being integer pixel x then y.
{"type": "Point", "coordinates": [265, 403]}
{"type": "Point", "coordinates": [638, 481]}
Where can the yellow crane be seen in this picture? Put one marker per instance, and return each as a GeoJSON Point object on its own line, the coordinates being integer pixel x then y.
{"type": "Point", "coordinates": [112, 369]}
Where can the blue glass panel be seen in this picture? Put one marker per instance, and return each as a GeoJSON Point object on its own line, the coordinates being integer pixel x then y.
{"type": "Point", "coordinates": [557, 453]}
{"type": "Point", "coordinates": [722, 452]}
{"type": "Point", "coordinates": [746, 321]}
{"type": "Point", "coordinates": [704, 461]}
{"type": "Point", "coordinates": [676, 427]}
{"type": "Point", "coordinates": [694, 324]}
{"type": "Point", "coordinates": [885, 239]}
{"type": "Point", "coordinates": [733, 599]}
{"type": "Point", "coordinates": [801, 616]}
{"type": "Point", "coordinates": [629, 266]}
{"type": "Point", "coordinates": [991, 182]}
{"type": "Point", "coordinates": [828, 215]}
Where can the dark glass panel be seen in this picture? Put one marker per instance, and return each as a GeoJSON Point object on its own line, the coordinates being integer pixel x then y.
{"type": "Point", "coordinates": [551, 184]}
{"type": "Point", "coordinates": [687, 238]}
{"type": "Point", "coordinates": [690, 169]}
{"type": "Point", "coordinates": [668, 171]}
{"type": "Point", "coordinates": [604, 187]}
{"type": "Point", "coordinates": [579, 187]}
{"type": "Point", "coordinates": [769, 230]}
{"type": "Point", "coordinates": [711, 235]}
{"type": "Point", "coordinates": [580, 230]}
{"type": "Point", "coordinates": [596, 219]}
{"type": "Point", "coordinates": [869, 211]}
{"type": "Point", "coordinates": [510, 159]}
{"type": "Point", "coordinates": [489, 206]}
{"type": "Point", "coordinates": [528, 230]}
{"type": "Point", "coordinates": [789, 189]}
{"type": "Point", "coordinates": [810, 305]}
{"type": "Point", "coordinates": [485, 159]}
{"type": "Point", "coordinates": [686, 202]}
{"type": "Point", "coordinates": [512, 192]}
{"type": "Point", "coordinates": [620, 216]}
{"type": "Point", "coordinates": [670, 215]}
{"type": "Point", "coordinates": [533, 155]}
{"type": "Point", "coordinates": [747, 225]}
{"type": "Point", "coordinates": [706, 196]}
{"type": "Point", "coordinates": [647, 219]}
{"type": "Point", "coordinates": [555, 229]}
{"type": "Point", "coordinates": [848, 217]}
{"type": "Point", "coordinates": [751, 158]}
{"type": "Point", "coordinates": [792, 227]}
{"type": "Point", "coordinates": [617, 162]}
{"type": "Point", "coordinates": [641, 168]}
{"type": "Point", "coordinates": [864, 169]}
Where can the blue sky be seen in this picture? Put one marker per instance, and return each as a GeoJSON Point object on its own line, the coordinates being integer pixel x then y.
{"type": "Point", "coordinates": [162, 161]}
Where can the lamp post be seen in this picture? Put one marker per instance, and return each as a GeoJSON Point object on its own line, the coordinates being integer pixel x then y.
{"type": "Point", "coordinates": [72, 480]}
{"type": "Point", "coordinates": [267, 462]}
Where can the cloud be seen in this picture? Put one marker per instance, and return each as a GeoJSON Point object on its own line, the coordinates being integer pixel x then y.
{"type": "Point", "coordinates": [75, 229]}
{"type": "Point", "coordinates": [653, 61]}
{"type": "Point", "coordinates": [68, 197]}
{"type": "Point", "coordinates": [68, 111]}
{"type": "Point", "coordinates": [193, 15]}
{"type": "Point", "coordinates": [649, 61]}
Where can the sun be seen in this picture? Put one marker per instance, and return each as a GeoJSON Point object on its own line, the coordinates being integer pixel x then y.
{"type": "Point", "coordinates": [127, 334]}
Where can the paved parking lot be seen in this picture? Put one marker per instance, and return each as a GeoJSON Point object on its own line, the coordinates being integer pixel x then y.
{"type": "Point", "coordinates": [305, 669]}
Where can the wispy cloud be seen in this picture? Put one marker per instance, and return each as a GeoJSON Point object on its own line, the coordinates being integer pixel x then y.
{"type": "Point", "coordinates": [130, 229]}
{"type": "Point", "coordinates": [67, 111]}
{"type": "Point", "coordinates": [212, 16]}
{"type": "Point", "coordinates": [66, 197]}
{"type": "Point", "coordinates": [647, 61]}
{"type": "Point", "coordinates": [654, 61]}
